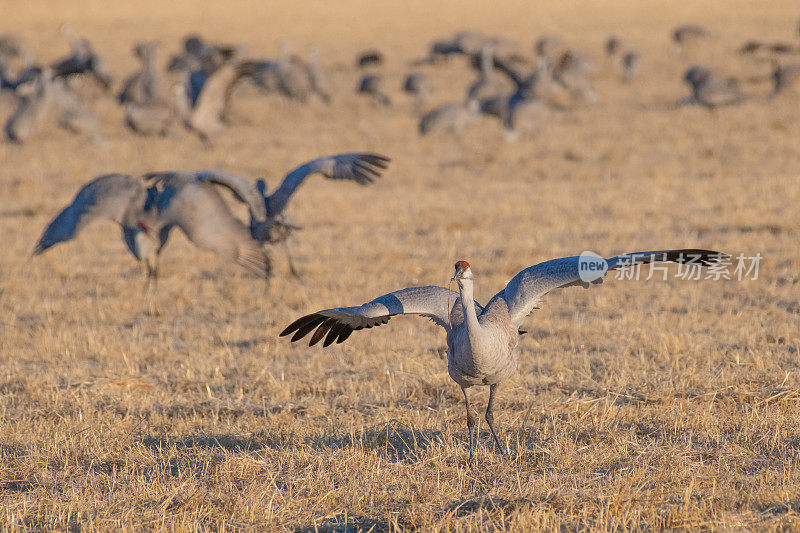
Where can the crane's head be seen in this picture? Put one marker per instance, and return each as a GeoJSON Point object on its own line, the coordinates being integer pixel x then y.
{"type": "Point", "coordinates": [142, 239]}
{"type": "Point", "coordinates": [146, 235]}
{"type": "Point", "coordinates": [193, 44]}
{"type": "Point", "coordinates": [261, 187]}
{"type": "Point", "coordinates": [462, 271]}
{"type": "Point", "coordinates": [697, 76]}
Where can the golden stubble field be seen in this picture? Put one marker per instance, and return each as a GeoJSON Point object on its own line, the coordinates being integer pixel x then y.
{"type": "Point", "coordinates": [637, 405]}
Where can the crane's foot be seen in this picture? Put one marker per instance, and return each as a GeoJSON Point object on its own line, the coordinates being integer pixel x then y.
{"type": "Point", "coordinates": [152, 301]}
{"type": "Point", "coordinates": [292, 269]}
{"type": "Point", "coordinates": [499, 449]}
{"type": "Point", "coordinates": [296, 275]}
{"type": "Point", "coordinates": [152, 309]}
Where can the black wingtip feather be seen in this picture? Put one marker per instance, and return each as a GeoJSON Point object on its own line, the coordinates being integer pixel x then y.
{"type": "Point", "coordinates": [344, 335]}
{"type": "Point", "coordinates": [363, 169]}
{"type": "Point", "coordinates": [297, 324]}
{"type": "Point", "coordinates": [333, 334]}
{"type": "Point", "coordinates": [38, 249]}
{"type": "Point", "coordinates": [703, 257]}
{"type": "Point", "coordinates": [323, 328]}
{"type": "Point", "coordinates": [684, 255]}
{"type": "Point", "coordinates": [306, 328]}
{"type": "Point", "coordinates": [376, 160]}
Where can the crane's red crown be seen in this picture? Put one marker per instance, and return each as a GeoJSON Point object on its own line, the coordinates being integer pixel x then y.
{"type": "Point", "coordinates": [142, 225]}
{"type": "Point", "coordinates": [462, 264]}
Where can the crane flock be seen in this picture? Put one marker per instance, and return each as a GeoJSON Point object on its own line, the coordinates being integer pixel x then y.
{"type": "Point", "coordinates": [519, 90]}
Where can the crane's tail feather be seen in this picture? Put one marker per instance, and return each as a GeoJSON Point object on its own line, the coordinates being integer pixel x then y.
{"type": "Point", "coordinates": [254, 259]}
{"type": "Point", "coordinates": [40, 247]}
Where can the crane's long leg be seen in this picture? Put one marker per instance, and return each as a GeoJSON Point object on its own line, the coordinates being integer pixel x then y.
{"type": "Point", "coordinates": [472, 426]}
{"type": "Point", "coordinates": [205, 139]}
{"type": "Point", "coordinates": [151, 288]}
{"type": "Point", "coordinates": [292, 268]}
{"type": "Point", "coordinates": [490, 417]}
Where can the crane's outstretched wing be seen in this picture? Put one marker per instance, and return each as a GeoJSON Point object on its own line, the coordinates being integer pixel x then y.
{"type": "Point", "coordinates": [501, 65]}
{"type": "Point", "coordinates": [170, 178]}
{"type": "Point", "coordinates": [197, 208]}
{"type": "Point", "coordinates": [106, 197]}
{"type": "Point", "coordinates": [524, 292]}
{"type": "Point", "coordinates": [358, 167]}
{"type": "Point", "coordinates": [337, 324]}
{"type": "Point", "coordinates": [212, 101]}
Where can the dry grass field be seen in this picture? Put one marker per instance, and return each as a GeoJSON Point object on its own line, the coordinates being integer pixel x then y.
{"type": "Point", "coordinates": [638, 405]}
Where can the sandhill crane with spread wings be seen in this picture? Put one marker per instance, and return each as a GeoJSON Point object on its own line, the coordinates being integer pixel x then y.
{"type": "Point", "coordinates": [528, 106]}
{"type": "Point", "coordinates": [148, 208]}
{"type": "Point", "coordinates": [202, 100]}
{"type": "Point", "coordinates": [481, 341]}
{"type": "Point", "coordinates": [82, 60]}
{"type": "Point", "coordinates": [268, 221]}
{"type": "Point", "coordinates": [147, 212]}
{"type": "Point", "coordinates": [489, 82]}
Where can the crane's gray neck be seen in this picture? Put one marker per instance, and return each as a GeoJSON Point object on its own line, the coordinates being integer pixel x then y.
{"type": "Point", "coordinates": [470, 315]}
{"type": "Point", "coordinates": [283, 54]}
{"type": "Point", "coordinates": [541, 63]}
{"type": "Point", "coordinates": [261, 229]}
{"type": "Point", "coordinates": [182, 100]}
{"type": "Point", "coordinates": [149, 61]}
{"type": "Point", "coordinates": [486, 60]}
{"type": "Point", "coordinates": [261, 187]}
